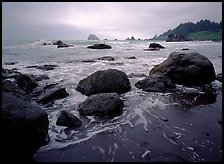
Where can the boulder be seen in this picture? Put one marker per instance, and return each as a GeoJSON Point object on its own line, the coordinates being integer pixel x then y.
{"type": "Point", "coordinates": [100, 46]}
{"type": "Point", "coordinates": [101, 105]}
{"type": "Point", "coordinates": [49, 93]}
{"type": "Point", "coordinates": [104, 81]}
{"type": "Point", "coordinates": [24, 126]}
{"type": "Point", "coordinates": [108, 58]}
{"type": "Point", "coordinates": [88, 61]}
{"type": "Point", "coordinates": [45, 67]}
{"type": "Point", "coordinates": [68, 119]}
{"type": "Point", "coordinates": [92, 37]}
{"type": "Point", "coordinates": [187, 68]}
{"type": "Point", "coordinates": [26, 83]}
{"type": "Point", "coordinates": [11, 86]}
{"type": "Point", "coordinates": [156, 83]}
{"type": "Point", "coordinates": [60, 44]}
{"type": "Point", "coordinates": [155, 45]}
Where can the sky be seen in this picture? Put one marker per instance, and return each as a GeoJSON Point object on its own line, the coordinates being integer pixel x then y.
{"type": "Point", "coordinates": [107, 20]}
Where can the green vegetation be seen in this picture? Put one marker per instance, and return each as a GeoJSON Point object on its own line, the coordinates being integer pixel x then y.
{"type": "Point", "coordinates": [205, 35]}
{"type": "Point", "coordinates": [202, 30]}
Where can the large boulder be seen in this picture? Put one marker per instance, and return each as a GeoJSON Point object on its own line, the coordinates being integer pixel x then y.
{"type": "Point", "coordinates": [67, 119]}
{"type": "Point", "coordinates": [100, 46]}
{"type": "Point", "coordinates": [49, 93]}
{"type": "Point", "coordinates": [101, 105]}
{"type": "Point", "coordinates": [104, 81]}
{"type": "Point", "coordinates": [26, 83]}
{"type": "Point", "coordinates": [92, 37]}
{"type": "Point", "coordinates": [156, 83]}
{"type": "Point", "coordinates": [24, 127]}
{"type": "Point", "coordinates": [155, 45]}
{"type": "Point", "coordinates": [187, 68]}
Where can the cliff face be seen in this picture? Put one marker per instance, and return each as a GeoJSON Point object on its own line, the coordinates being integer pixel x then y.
{"type": "Point", "coordinates": [92, 37]}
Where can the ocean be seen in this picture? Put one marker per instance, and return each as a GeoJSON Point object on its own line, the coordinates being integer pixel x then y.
{"type": "Point", "coordinates": [152, 126]}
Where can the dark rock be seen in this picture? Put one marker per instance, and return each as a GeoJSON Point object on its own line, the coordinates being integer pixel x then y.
{"type": "Point", "coordinates": [187, 68]}
{"type": "Point", "coordinates": [7, 73]}
{"type": "Point", "coordinates": [156, 83]}
{"type": "Point", "coordinates": [88, 61]}
{"type": "Point", "coordinates": [164, 119]}
{"type": "Point", "coordinates": [26, 83]}
{"type": "Point", "coordinates": [100, 46]}
{"type": "Point", "coordinates": [219, 77]}
{"type": "Point", "coordinates": [10, 63]}
{"type": "Point", "coordinates": [67, 119]}
{"type": "Point", "coordinates": [46, 43]}
{"type": "Point", "coordinates": [45, 67]}
{"type": "Point", "coordinates": [49, 93]}
{"type": "Point", "coordinates": [155, 45]}
{"type": "Point", "coordinates": [101, 104]}
{"type": "Point", "coordinates": [176, 38]}
{"type": "Point", "coordinates": [108, 58]}
{"type": "Point", "coordinates": [10, 86]}
{"type": "Point", "coordinates": [131, 75]}
{"type": "Point", "coordinates": [60, 44]}
{"type": "Point", "coordinates": [184, 49]}
{"type": "Point", "coordinates": [220, 122]}
{"type": "Point", "coordinates": [24, 125]}
{"type": "Point", "coordinates": [104, 81]}
{"type": "Point", "coordinates": [131, 57]}
{"type": "Point", "coordinates": [92, 37]}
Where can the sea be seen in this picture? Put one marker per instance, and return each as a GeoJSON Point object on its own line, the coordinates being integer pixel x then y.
{"type": "Point", "coordinates": [153, 127]}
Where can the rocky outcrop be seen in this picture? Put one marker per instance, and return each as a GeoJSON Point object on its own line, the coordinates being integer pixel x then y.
{"type": "Point", "coordinates": [101, 105]}
{"type": "Point", "coordinates": [61, 44]}
{"type": "Point", "coordinates": [24, 81]}
{"type": "Point", "coordinates": [24, 126]}
{"type": "Point", "coordinates": [100, 46]}
{"type": "Point", "coordinates": [186, 68]}
{"type": "Point", "coordinates": [92, 37]}
{"type": "Point", "coordinates": [26, 85]}
{"type": "Point", "coordinates": [104, 81]}
{"type": "Point", "coordinates": [67, 119]}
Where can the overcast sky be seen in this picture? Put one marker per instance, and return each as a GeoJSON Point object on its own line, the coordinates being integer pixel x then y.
{"type": "Point", "coordinates": [76, 20]}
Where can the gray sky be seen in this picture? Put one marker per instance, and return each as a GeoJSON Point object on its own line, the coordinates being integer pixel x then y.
{"type": "Point", "coordinates": [76, 20]}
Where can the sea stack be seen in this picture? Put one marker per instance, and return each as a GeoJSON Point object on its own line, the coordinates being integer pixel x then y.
{"type": "Point", "coordinates": [92, 37]}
